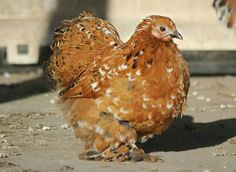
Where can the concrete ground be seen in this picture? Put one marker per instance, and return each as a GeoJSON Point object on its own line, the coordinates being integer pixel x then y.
{"type": "Point", "coordinates": [35, 138]}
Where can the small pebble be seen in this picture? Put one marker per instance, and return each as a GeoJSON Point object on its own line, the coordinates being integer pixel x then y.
{"type": "Point", "coordinates": [30, 129]}
{"type": "Point", "coordinates": [3, 116]}
{"type": "Point", "coordinates": [222, 106]}
{"type": "Point", "coordinates": [10, 146]}
{"type": "Point", "coordinates": [233, 94]}
{"type": "Point", "coordinates": [43, 143]}
{"type": "Point", "coordinates": [45, 128]}
{"type": "Point", "coordinates": [208, 99]}
{"type": "Point", "coordinates": [17, 153]}
{"type": "Point", "coordinates": [67, 168]}
{"type": "Point", "coordinates": [3, 141]}
{"type": "Point", "coordinates": [232, 141]}
{"type": "Point", "coordinates": [200, 97]}
{"type": "Point", "coordinates": [52, 101]}
{"type": "Point", "coordinates": [206, 170]}
{"type": "Point", "coordinates": [194, 93]}
{"type": "Point", "coordinates": [38, 126]}
{"type": "Point", "coordinates": [3, 155]}
{"type": "Point", "coordinates": [65, 126]}
{"type": "Point", "coordinates": [2, 135]}
{"type": "Point", "coordinates": [219, 153]}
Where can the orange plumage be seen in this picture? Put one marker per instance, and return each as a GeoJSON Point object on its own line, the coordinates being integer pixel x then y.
{"type": "Point", "coordinates": [226, 11]}
{"type": "Point", "coordinates": [113, 93]}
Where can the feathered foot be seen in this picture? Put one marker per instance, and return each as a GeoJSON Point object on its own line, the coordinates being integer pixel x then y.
{"type": "Point", "coordinates": [121, 154]}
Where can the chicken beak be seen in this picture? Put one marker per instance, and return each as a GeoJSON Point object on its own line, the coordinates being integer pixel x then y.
{"type": "Point", "coordinates": [177, 35]}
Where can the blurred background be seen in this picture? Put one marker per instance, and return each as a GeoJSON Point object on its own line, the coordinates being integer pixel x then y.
{"type": "Point", "coordinates": [27, 29]}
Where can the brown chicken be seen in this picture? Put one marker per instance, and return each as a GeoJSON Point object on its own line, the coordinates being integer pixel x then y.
{"type": "Point", "coordinates": [226, 12]}
{"type": "Point", "coordinates": [113, 93]}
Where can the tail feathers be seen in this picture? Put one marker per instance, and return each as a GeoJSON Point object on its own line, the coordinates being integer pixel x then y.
{"type": "Point", "coordinates": [77, 44]}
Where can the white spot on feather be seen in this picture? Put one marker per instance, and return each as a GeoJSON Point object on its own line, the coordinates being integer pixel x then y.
{"type": "Point", "coordinates": [106, 67]}
{"type": "Point", "coordinates": [117, 117]}
{"type": "Point", "coordinates": [145, 98]}
{"type": "Point", "coordinates": [108, 92]}
{"type": "Point", "coordinates": [94, 63]}
{"type": "Point", "coordinates": [98, 102]}
{"type": "Point", "coordinates": [149, 116]}
{"type": "Point", "coordinates": [116, 100]}
{"type": "Point", "coordinates": [109, 72]}
{"type": "Point", "coordinates": [169, 70]}
{"type": "Point", "coordinates": [115, 72]}
{"type": "Point", "coordinates": [172, 96]}
{"type": "Point", "coordinates": [94, 85]}
{"type": "Point", "coordinates": [122, 138]}
{"type": "Point", "coordinates": [144, 106]}
{"type": "Point", "coordinates": [146, 137]}
{"type": "Point", "coordinates": [130, 77]}
{"type": "Point", "coordinates": [89, 36]}
{"type": "Point", "coordinates": [122, 67]}
{"type": "Point", "coordinates": [99, 130]}
{"type": "Point", "coordinates": [106, 31]}
{"type": "Point", "coordinates": [110, 109]}
{"type": "Point", "coordinates": [97, 89]}
{"type": "Point", "coordinates": [112, 43]}
{"type": "Point", "coordinates": [154, 106]}
{"type": "Point", "coordinates": [144, 82]}
{"type": "Point", "coordinates": [82, 28]}
{"type": "Point", "coordinates": [141, 52]}
{"type": "Point", "coordinates": [133, 43]}
{"type": "Point", "coordinates": [122, 110]}
{"type": "Point", "coordinates": [169, 105]}
{"type": "Point", "coordinates": [102, 72]}
{"type": "Point", "coordinates": [138, 72]}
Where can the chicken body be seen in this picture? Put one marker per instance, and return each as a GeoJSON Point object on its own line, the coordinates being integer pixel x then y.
{"type": "Point", "coordinates": [113, 93]}
{"type": "Point", "coordinates": [226, 12]}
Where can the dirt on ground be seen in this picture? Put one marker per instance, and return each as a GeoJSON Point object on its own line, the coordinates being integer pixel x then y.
{"type": "Point", "coordinates": [34, 136]}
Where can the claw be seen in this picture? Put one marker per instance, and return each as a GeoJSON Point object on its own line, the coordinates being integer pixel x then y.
{"type": "Point", "coordinates": [151, 158]}
{"type": "Point", "coordinates": [121, 154]}
{"type": "Point", "coordinates": [139, 155]}
{"type": "Point", "coordinates": [91, 155]}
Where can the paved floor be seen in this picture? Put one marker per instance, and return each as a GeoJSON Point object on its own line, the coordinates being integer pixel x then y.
{"type": "Point", "coordinates": [34, 136]}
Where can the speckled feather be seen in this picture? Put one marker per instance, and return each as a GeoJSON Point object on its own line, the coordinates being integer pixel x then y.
{"type": "Point", "coordinates": [76, 44]}
{"type": "Point", "coordinates": [115, 93]}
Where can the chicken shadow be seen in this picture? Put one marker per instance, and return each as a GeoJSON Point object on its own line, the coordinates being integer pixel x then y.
{"type": "Point", "coordinates": [184, 134]}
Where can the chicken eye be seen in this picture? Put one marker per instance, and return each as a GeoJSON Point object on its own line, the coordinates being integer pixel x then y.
{"type": "Point", "coordinates": [162, 29]}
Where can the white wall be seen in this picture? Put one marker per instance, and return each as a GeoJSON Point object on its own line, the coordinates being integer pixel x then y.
{"type": "Point", "coordinates": [196, 20]}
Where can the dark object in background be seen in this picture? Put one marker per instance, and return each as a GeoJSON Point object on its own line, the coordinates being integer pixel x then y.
{"type": "Point", "coordinates": [3, 56]}
{"type": "Point", "coordinates": [226, 12]}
